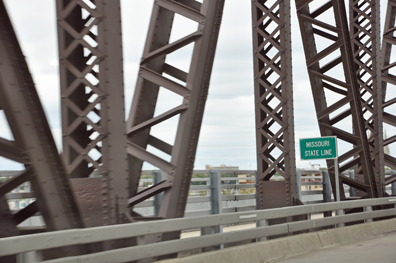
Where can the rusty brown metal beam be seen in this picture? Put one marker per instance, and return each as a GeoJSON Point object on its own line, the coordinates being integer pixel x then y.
{"type": "Point", "coordinates": [390, 179]}
{"type": "Point", "coordinates": [388, 64]}
{"type": "Point", "coordinates": [192, 89]}
{"type": "Point", "coordinates": [14, 182]}
{"type": "Point", "coordinates": [8, 226]}
{"type": "Point", "coordinates": [364, 29]}
{"type": "Point", "coordinates": [33, 137]}
{"type": "Point", "coordinates": [91, 78]}
{"type": "Point", "coordinates": [273, 100]}
{"type": "Point", "coordinates": [341, 76]}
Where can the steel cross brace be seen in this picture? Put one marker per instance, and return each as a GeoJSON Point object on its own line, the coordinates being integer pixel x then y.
{"type": "Point", "coordinates": [364, 30]}
{"type": "Point", "coordinates": [274, 102]}
{"type": "Point", "coordinates": [191, 86]}
{"type": "Point", "coordinates": [92, 90]}
{"type": "Point", "coordinates": [388, 77]}
{"type": "Point", "coordinates": [331, 69]}
{"type": "Point", "coordinates": [33, 144]}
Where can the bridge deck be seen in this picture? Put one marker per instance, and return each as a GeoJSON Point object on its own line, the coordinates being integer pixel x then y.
{"type": "Point", "coordinates": [374, 249]}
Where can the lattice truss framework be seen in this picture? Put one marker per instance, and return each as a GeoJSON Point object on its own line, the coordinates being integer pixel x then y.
{"type": "Point", "coordinates": [365, 27]}
{"type": "Point", "coordinates": [388, 76]}
{"type": "Point", "coordinates": [92, 91]}
{"type": "Point", "coordinates": [191, 86]}
{"type": "Point", "coordinates": [32, 145]}
{"type": "Point", "coordinates": [335, 90]}
{"type": "Point", "coordinates": [273, 96]}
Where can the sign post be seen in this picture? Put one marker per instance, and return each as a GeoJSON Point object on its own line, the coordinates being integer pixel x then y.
{"type": "Point", "coordinates": [337, 180]}
{"type": "Point", "coordinates": [322, 148]}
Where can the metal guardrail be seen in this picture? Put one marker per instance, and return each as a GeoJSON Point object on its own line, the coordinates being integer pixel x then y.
{"type": "Point", "coordinates": [312, 190]}
{"type": "Point", "coordinates": [37, 242]}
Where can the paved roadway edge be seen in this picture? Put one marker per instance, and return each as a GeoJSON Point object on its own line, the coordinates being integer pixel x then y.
{"type": "Point", "coordinates": [280, 248]}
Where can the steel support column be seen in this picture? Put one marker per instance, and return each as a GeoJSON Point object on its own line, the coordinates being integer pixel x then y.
{"type": "Point", "coordinates": [364, 28]}
{"type": "Point", "coordinates": [33, 144]}
{"type": "Point", "coordinates": [92, 90]}
{"type": "Point", "coordinates": [274, 102]}
{"type": "Point", "coordinates": [388, 76]}
{"type": "Point", "coordinates": [8, 226]}
{"type": "Point", "coordinates": [191, 86]}
{"type": "Point", "coordinates": [336, 92]}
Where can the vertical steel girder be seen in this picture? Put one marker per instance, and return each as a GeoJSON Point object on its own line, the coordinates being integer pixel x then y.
{"type": "Point", "coordinates": [332, 75]}
{"type": "Point", "coordinates": [274, 101]}
{"type": "Point", "coordinates": [8, 226]}
{"type": "Point", "coordinates": [33, 144]}
{"type": "Point", "coordinates": [388, 76]}
{"type": "Point", "coordinates": [364, 29]}
{"type": "Point", "coordinates": [192, 87]}
{"type": "Point", "coordinates": [92, 91]}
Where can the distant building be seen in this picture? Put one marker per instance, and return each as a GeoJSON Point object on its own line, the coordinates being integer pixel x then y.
{"type": "Point", "coordinates": [221, 167]}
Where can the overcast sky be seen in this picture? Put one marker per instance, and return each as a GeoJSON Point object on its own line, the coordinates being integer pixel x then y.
{"type": "Point", "coordinates": [228, 130]}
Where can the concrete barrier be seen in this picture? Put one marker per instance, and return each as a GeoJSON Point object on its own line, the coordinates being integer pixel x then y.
{"type": "Point", "coordinates": [267, 251]}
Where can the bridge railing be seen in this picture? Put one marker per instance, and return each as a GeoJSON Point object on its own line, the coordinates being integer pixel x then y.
{"type": "Point", "coordinates": [237, 190]}
{"type": "Point", "coordinates": [364, 211]}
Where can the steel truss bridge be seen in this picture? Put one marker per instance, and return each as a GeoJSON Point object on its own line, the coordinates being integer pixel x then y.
{"type": "Point", "coordinates": [350, 72]}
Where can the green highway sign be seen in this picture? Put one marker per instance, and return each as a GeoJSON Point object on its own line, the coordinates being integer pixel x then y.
{"type": "Point", "coordinates": [318, 148]}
